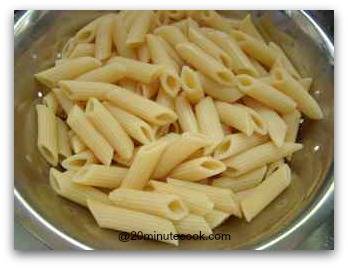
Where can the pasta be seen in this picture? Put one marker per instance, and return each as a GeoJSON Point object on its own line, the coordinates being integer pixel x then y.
{"type": "Point", "coordinates": [186, 116]}
{"type": "Point", "coordinates": [82, 50]}
{"type": "Point", "coordinates": [64, 148]}
{"type": "Point", "coordinates": [193, 224]}
{"type": "Point", "coordinates": [191, 85]}
{"type": "Point", "coordinates": [103, 38]}
{"type": "Point", "coordinates": [64, 102]}
{"type": "Point", "coordinates": [171, 34]}
{"type": "Point", "coordinates": [109, 73]}
{"type": "Point", "coordinates": [77, 145]}
{"type": "Point", "coordinates": [215, 218]}
{"type": "Point", "coordinates": [83, 90]}
{"type": "Point", "coordinates": [78, 160]}
{"type": "Point", "coordinates": [51, 102]}
{"type": "Point", "coordinates": [139, 28]}
{"type": "Point", "coordinates": [248, 27]}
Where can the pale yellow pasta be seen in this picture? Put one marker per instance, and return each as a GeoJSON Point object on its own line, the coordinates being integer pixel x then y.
{"type": "Point", "coordinates": [140, 106]}
{"type": "Point", "coordinates": [274, 166]}
{"type": "Point", "coordinates": [125, 220]}
{"type": "Point", "coordinates": [258, 66]}
{"type": "Point", "coordinates": [64, 102]}
{"type": "Point", "coordinates": [165, 100]}
{"type": "Point", "coordinates": [243, 182]}
{"type": "Point", "coordinates": [64, 148]}
{"type": "Point", "coordinates": [84, 90]}
{"type": "Point", "coordinates": [135, 127]}
{"type": "Point", "coordinates": [129, 84]}
{"type": "Point", "coordinates": [266, 192]}
{"type": "Point", "coordinates": [119, 34]}
{"type": "Point", "coordinates": [243, 194]}
{"type": "Point", "coordinates": [47, 134]}
{"type": "Point", "coordinates": [109, 73]}
{"type": "Point", "coordinates": [191, 85]}
{"type": "Point", "coordinates": [195, 56]}
{"type": "Point", "coordinates": [177, 152]}
{"type": "Point", "coordinates": [128, 16]}
{"type": "Point", "coordinates": [306, 83]}
{"type": "Point", "coordinates": [238, 61]}
{"type": "Point", "coordinates": [173, 35]}
{"type": "Point", "coordinates": [208, 46]}
{"type": "Point", "coordinates": [184, 25]}
{"type": "Point", "coordinates": [223, 199]}
{"type": "Point", "coordinates": [236, 143]}
{"type": "Point", "coordinates": [186, 116]}
{"type": "Point", "coordinates": [160, 18]}
{"type": "Point", "coordinates": [110, 128]}
{"type": "Point", "coordinates": [144, 164]}
{"type": "Point", "coordinates": [212, 19]}
{"type": "Point", "coordinates": [193, 224]}
{"type": "Point", "coordinates": [218, 91]}
{"type": "Point", "coordinates": [87, 33]}
{"type": "Point", "coordinates": [68, 48]}
{"type": "Point", "coordinates": [293, 121]}
{"type": "Point", "coordinates": [171, 51]}
{"type": "Point", "coordinates": [139, 71]}
{"type": "Point", "coordinates": [260, 155]}
{"type": "Point", "coordinates": [283, 81]}
{"type": "Point", "coordinates": [176, 14]}
{"type": "Point", "coordinates": [139, 28]}
{"type": "Point", "coordinates": [100, 176]}
{"type": "Point", "coordinates": [103, 38]}
{"type": "Point", "coordinates": [247, 26]}
{"type": "Point", "coordinates": [78, 160]}
{"type": "Point", "coordinates": [197, 202]}
{"type": "Point", "coordinates": [143, 53]}
{"type": "Point", "coordinates": [265, 94]}
{"type": "Point", "coordinates": [89, 135]}
{"type": "Point", "coordinates": [208, 119]}
{"type": "Point", "coordinates": [276, 126]}
{"type": "Point", "coordinates": [215, 218]}
{"type": "Point", "coordinates": [126, 162]}
{"type": "Point", "coordinates": [164, 205]}
{"type": "Point", "coordinates": [66, 71]}
{"type": "Point", "coordinates": [254, 48]}
{"type": "Point", "coordinates": [198, 169]}
{"type": "Point", "coordinates": [76, 144]}
{"type": "Point", "coordinates": [63, 185]}
{"type": "Point", "coordinates": [82, 50]}
{"type": "Point", "coordinates": [241, 117]}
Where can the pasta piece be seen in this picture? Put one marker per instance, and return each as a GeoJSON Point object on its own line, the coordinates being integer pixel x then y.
{"type": "Point", "coordinates": [103, 38]}
{"type": "Point", "coordinates": [223, 199]}
{"type": "Point", "coordinates": [265, 94]}
{"type": "Point", "coordinates": [238, 61]}
{"type": "Point", "coordinates": [119, 35]}
{"type": "Point", "coordinates": [129, 16]}
{"type": "Point", "coordinates": [237, 143]}
{"type": "Point", "coordinates": [171, 51]}
{"type": "Point", "coordinates": [64, 148]}
{"type": "Point", "coordinates": [193, 224]}
{"type": "Point", "coordinates": [110, 128]}
{"type": "Point", "coordinates": [134, 126]}
{"type": "Point", "coordinates": [143, 165]}
{"type": "Point", "coordinates": [208, 119]}
{"type": "Point", "coordinates": [142, 107]}
{"type": "Point", "coordinates": [198, 169]}
{"type": "Point", "coordinates": [163, 205]}
{"type": "Point", "coordinates": [171, 34]}
{"type": "Point", "coordinates": [184, 26]}
{"type": "Point", "coordinates": [87, 34]}
{"type": "Point", "coordinates": [63, 185]}
{"type": "Point", "coordinates": [47, 137]}
{"type": "Point", "coordinates": [212, 19]}
{"type": "Point", "coordinates": [177, 152]}
{"type": "Point", "coordinates": [283, 81]}
{"type": "Point", "coordinates": [205, 63]}
{"type": "Point", "coordinates": [125, 220]}
{"type": "Point", "coordinates": [139, 28]}
{"type": "Point", "coordinates": [139, 71]}
{"type": "Point", "coordinates": [306, 83]}
{"type": "Point", "coordinates": [243, 194]}
{"type": "Point", "coordinates": [247, 26]}
{"type": "Point", "coordinates": [254, 48]}
{"type": "Point", "coordinates": [243, 182]}
{"type": "Point", "coordinates": [83, 90]}
{"type": "Point", "coordinates": [90, 136]}
{"type": "Point", "coordinates": [266, 192]}
{"type": "Point", "coordinates": [276, 126]}
{"type": "Point", "coordinates": [215, 218]}
{"type": "Point", "coordinates": [176, 14]}
{"type": "Point", "coordinates": [126, 162]}
{"type": "Point", "coordinates": [274, 166]}
{"type": "Point", "coordinates": [186, 116]}
{"type": "Point", "coordinates": [68, 48]}
{"type": "Point", "coordinates": [100, 176]}
{"type": "Point", "coordinates": [261, 155]}
{"type": "Point", "coordinates": [129, 84]}
{"type": "Point", "coordinates": [160, 18]}
{"type": "Point", "coordinates": [65, 71]}
{"type": "Point", "coordinates": [292, 120]}
{"type": "Point", "coordinates": [197, 202]}
{"type": "Point", "coordinates": [51, 102]}
{"type": "Point", "coordinates": [77, 161]}
{"type": "Point", "coordinates": [63, 100]}
{"type": "Point", "coordinates": [220, 92]}
{"type": "Point", "coordinates": [82, 50]}
{"type": "Point", "coordinates": [143, 53]}
{"type": "Point", "coordinates": [191, 84]}
{"type": "Point", "coordinates": [109, 73]}
{"type": "Point", "coordinates": [242, 118]}
{"type": "Point", "coordinates": [258, 66]}
{"type": "Point", "coordinates": [76, 144]}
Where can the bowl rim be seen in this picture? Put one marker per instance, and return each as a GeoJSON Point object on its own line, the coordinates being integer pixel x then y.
{"type": "Point", "coordinates": [314, 213]}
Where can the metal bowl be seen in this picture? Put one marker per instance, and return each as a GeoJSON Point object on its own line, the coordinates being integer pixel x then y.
{"type": "Point", "coordinates": [60, 224]}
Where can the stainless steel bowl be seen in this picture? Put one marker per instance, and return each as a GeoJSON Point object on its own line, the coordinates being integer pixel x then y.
{"type": "Point", "coordinates": [60, 224]}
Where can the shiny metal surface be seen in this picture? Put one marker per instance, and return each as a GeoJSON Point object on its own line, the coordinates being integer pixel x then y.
{"type": "Point", "coordinates": [60, 224]}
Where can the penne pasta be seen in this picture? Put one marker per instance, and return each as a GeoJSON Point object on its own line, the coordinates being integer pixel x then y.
{"type": "Point", "coordinates": [263, 194]}
{"type": "Point", "coordinates": [215, 218]}
{"type": "Point", "coordinates": [66, 71]}
{"type": "Point", "coordinates": [184, 26]}
{"type": "Point", "coordinates": [160, 204]}
{"type": "Point", "coordinates": [125, 220]}
{"type": "Point", "coordinates": [139, 28]}
{"type": "Point", "coordinates": [77, 161]}
{"type": "Point", "coordinates": [212, 19]}
{"type": "Point", "coordinates": [306, 83]}
{"type": "Point", "coordinates": [193, 224]}
{"type": "Point", "coordinates": [292, 120]}
{"type": "Point", "coordinates": [103, 38]}
{"type": "Point", "coordinates": [76, 144]}
{"type": "Point", "coordinates": [64, 148]}
{"type": "Point", "coordinates": [47, 137]}
{"type": "Point", "coordinates": [186, 116]}
{"type": "Point", "coordinates": [64, 102]}
{"type": "Point", "coordinates": [51, 102]}
{"type": "Point", "coordinates": [87, 34]}
{"type": "Point", "coordinates": [198, 169]}
{"type": "Point", "coordinates": [109, 73]}
{"type": "Point", "coordinates": [274, 166]}
{"type": "Point", "coordinates": [247, 26]}
{"type": "Point", "coordinates": [191, 85]}
{"type": "Point", "coordinates": [82, 50]}
{"type": "Point", "coordinates": [173, 35]}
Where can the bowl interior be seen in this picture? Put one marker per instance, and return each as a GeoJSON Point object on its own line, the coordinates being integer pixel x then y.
{"type": "Point", "coordinates": [40, 36]}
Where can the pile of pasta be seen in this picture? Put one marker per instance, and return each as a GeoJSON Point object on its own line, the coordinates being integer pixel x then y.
{"type": "Point", "coordinates": [171, 121]}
